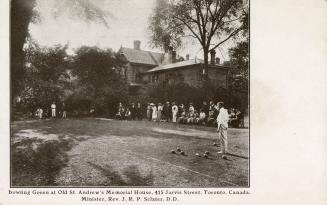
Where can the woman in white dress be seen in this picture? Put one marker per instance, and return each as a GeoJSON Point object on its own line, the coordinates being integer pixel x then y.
{"type": "Point", "coordinates": [159, 113]}
{"type": "Point", "coordinates": [154, 112]}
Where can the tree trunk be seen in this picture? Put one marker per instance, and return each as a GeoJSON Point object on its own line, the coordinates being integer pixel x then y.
{"type": "Point", "coordinates": [205, 76]}
{"type": "Point", "coordinates": [205, 64]}
{"type": "Point", "coordinates": [21, 12]}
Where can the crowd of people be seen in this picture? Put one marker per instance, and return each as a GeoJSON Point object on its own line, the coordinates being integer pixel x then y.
{"type": "Point", "coordinates": [206, 114]}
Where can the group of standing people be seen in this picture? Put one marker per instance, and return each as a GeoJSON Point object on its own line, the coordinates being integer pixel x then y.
{"type": "Point", "coordinates": [53, 107]}
{"type": "Point", "coordinates": [211, 113]}
{"type": "Point", "coordinates": [134, 112]}
{"type": "Point", "coordinates": [162, 112]}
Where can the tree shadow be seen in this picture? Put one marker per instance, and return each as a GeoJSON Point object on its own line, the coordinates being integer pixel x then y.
{"type": "Point", "coordinates": [131, 173]}
{"type": "Point", "coordinates": [35, 162]}
{"type": "Point", "coordinates": [41, 166]}
{"type": "Point", "coordinates": [236, 155]}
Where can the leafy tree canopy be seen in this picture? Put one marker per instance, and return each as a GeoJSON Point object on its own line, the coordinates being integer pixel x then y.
{"type": "Point", "coordinates": [98, 79]}
{"type": "Point", "coordinates": [46, 77]}
{"type": "Point", "coordinates": [239, 58]}
{"type": "Point", "coordinates": [210, 22]}
{"type": "Point", "coordinates": [164, 30]}
{"type": "Point", "coordinates": [23, 12]}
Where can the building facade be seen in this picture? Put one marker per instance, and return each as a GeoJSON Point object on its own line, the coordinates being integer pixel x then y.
{"type": "Point", "coordinates": [189, 72]}
{"type": "Point", "coordinates": [144, 67]}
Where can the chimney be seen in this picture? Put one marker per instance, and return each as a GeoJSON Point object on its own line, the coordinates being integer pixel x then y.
{"type": "Point", "coordinates": [168, 56]}
{"type": "Point", "coordinates": [137, 45]}
{"type": "Point", "coordinates": [187, 57]}
{"type": "Point", "coordinates": [173, 56]}
{"type": "Point", "coordinates": [213, 57]}
{"type": "Point", "coordinates": [218, 61]}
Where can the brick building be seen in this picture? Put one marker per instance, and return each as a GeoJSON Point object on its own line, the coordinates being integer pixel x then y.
{"type": "Point", "coordinates": [145, 67]}
{"type": "Point", "coordinates": [138, 63]}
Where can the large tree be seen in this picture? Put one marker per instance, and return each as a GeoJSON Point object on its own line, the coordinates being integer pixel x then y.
{"type": "Point", "coordinates": [46, 77]}
{"type": "Point", "coordinates": [23, 12]}
{"type": "Point", "coordinates": [239, 58]}
{"type": "Point", "coordinates": [99, 84]}
{"type": "Point", "coordinates": [210, 22]}
{"type": "Point", "coordinates": [164, 31]}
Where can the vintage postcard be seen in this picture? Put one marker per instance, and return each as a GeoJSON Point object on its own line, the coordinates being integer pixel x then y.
{"type": "Point", "coordinates": [164, 101]}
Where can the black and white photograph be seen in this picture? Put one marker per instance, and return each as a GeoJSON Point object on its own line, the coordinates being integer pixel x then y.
{"type": "Point", "coordinates": [163, 102]}
{"type": "Point", "coordinates": [132, 93]}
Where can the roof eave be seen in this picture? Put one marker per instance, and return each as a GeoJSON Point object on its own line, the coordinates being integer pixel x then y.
{"type": "Point", "coordinates": [195, 64]}
{"type": "Point", "coordinates": [179, 67]}
{"type": "Point", "coordinates": [144, 64]}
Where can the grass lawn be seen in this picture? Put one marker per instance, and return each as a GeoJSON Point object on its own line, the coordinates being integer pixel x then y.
{"type": "Point", "coordinates": [99, 152]}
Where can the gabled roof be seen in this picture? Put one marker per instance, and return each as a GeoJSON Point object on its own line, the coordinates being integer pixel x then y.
{"type": "Point", "coordinates": [182, 64]}
{"type": "Point", "coordinates": [142, 57]}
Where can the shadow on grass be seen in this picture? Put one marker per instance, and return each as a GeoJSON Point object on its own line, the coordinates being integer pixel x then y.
{"type": "Point", "coordinates": [132, 174]}
{"type": "Point", "coordinates": [236, 155]}
{"type": "Point", "coordinates": [36, 163]}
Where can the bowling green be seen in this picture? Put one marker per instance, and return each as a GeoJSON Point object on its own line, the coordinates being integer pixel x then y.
{"type": "Point", "coordinates": [102, 152]}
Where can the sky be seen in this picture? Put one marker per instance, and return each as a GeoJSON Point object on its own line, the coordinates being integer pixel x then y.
{"type": "Point", "coordinates": [130, 23]}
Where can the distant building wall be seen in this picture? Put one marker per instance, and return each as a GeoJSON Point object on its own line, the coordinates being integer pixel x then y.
{"type": "Point", "coordinates": [189, 75]}
{"type": "Point", "coordinates": [134, 72]}
{"type": "Point", "coordinates": [129, 73]}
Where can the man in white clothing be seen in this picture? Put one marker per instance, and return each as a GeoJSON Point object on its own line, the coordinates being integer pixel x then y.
{"type": "Point", "coordinates": [53, 110]}
{"type": "Point", "coordinates": [174, 109]}
{"type": "Point", "coordinates": [40, 113]}
{"type": "Point", "coordinates": [191, 108]}
{"type": "Point", "coordinates": [222, 122]}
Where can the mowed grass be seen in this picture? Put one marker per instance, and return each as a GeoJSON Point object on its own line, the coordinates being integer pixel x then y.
{"type": "Point", "coordinates": [99, 152]}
